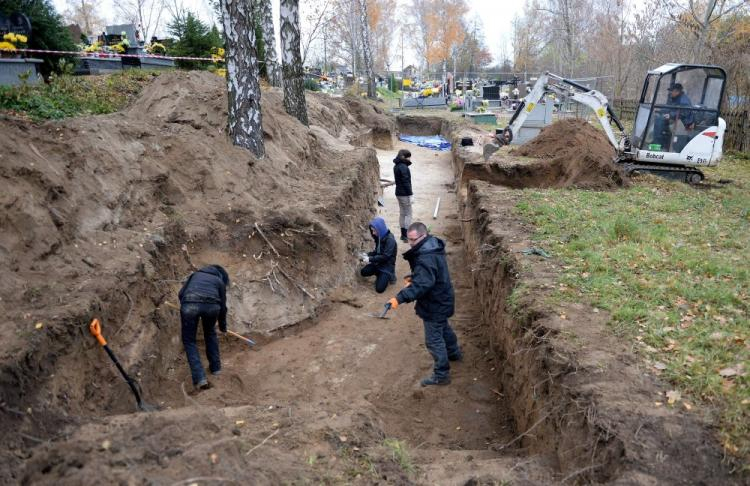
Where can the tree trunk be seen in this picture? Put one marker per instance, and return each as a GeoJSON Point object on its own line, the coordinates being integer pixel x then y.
{"type": "Point", "coordinates": [269, 36]}
{"type": "Point", "coordinates": [244, 120]}
{"type": "Point", "coordinates": [291, 57]}
{"type": "Point", "coordinates": [704, 27]}
{"type": "Point", "coordinates": [366, 51]}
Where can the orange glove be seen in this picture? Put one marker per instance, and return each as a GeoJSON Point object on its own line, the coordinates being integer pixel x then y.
{"type": "Point", "coordinates": [393, 302]}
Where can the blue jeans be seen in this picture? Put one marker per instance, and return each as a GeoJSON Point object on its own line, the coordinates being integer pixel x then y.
{"type": "Point", "coordinates": [208, 314]}
{"type": "Point", "coordinates": [442, 344]}
{"type": "Point", "coordinates": [382, 279]}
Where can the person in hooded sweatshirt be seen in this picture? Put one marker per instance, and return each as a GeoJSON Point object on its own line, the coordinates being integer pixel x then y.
{"type": "Point", "coordinates": [430, 286]}
{"type": "Point", "coordinates": [204, 297]}
{"type": "Point", "coordinates": [404, 194]}
{"type": "Point", "coordinates": [381, 262]}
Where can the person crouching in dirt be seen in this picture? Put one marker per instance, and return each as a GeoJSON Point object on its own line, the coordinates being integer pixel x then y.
{"type": "Point", "coordinates": [430, 285]}
{"type": "Point", "coordinates": [404, 194]}
{"type": "Point", "coordinates": [380, 262]}
{"type": "Point", "coordinates": [204, 297]}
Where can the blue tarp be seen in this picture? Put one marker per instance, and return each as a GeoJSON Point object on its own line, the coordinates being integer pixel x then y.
{"type": "Point", "coordinates": [434, 142]}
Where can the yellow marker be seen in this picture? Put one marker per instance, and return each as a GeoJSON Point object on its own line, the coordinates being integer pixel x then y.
{"type": "Point", "coordinates": [530, 107]}
{"type": "Point", "coordinates": [600, 112]}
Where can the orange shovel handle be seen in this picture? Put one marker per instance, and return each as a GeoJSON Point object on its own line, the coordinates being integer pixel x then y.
{"type": "Point", "coordinates": [96, 330]}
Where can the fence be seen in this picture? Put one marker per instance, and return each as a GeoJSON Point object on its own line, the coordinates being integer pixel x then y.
{"type": "Point", "coordinates": [737, 136]}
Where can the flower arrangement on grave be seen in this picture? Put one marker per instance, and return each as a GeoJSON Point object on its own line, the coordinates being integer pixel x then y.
{"type": "Point", "coordinates": [156, 48]}
{"type": "Point", "coordinates": [218, 54]}
{"type": "Point", "coordinates": [11, 43]}
{"type": "Point", "coordinates": [95, 47]}
{"type": "Point", "coordinates": [118, 48]}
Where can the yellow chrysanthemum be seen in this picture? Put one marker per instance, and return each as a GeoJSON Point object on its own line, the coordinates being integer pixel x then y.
{"type": "Point", "coordinates": [7, 46]}
{"type": "Point", "coordinates": [21, 38]}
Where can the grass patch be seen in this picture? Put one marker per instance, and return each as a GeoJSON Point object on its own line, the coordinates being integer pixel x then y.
{"type": "Point", "coordinates": [669, 262]}
{"type": "Point", "coordinates": [387, 94]}
{"type": "Point", "coordinates": [66, 96]}
{"type": "Point", "coordinates": [400, 454]}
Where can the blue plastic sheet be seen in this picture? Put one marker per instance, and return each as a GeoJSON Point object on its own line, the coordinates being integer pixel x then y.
{"type": "Point", "coordinates": [434, 142]}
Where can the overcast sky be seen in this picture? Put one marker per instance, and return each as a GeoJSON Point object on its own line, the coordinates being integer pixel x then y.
{"type": "Point", "coordinates": [495, 15]}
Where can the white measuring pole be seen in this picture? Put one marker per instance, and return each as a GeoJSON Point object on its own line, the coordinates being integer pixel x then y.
{"type": "Point", "coordinates": [437, 207]}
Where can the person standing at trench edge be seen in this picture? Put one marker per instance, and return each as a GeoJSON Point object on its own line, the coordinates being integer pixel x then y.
{"type": "Point", "coordinates": [204, 297]}
{"type": "Point", "coordinates": [404, 194]}
{"type": "Point", "coordinates": [430, 285]}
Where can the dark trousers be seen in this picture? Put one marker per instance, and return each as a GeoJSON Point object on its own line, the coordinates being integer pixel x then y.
{"type": "Point", "coordinates": [208, 314]}
{"type": "Point", "coordinates": [381, 278]}
{"type": "Point", "coordinates": [442, 344]}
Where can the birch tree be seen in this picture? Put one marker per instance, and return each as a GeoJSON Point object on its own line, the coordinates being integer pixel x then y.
{"type": "Point", "coordinates": [244, 117]}
{"type": "Point", "coordinates": [265, 11]}
{"type": "Point", "coordinates": [291, 57]}
{"type": "Point", "coordinates": [364, 29]}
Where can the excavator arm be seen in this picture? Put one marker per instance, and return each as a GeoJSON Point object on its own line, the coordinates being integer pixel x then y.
{"type": "Point", "coordinates": [566, 89]}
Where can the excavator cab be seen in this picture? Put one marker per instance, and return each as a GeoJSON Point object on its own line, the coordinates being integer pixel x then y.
{"type": "Point", "coordinates": [678, 115]}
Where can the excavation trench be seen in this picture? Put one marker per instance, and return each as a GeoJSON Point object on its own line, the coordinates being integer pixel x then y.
{"type": "Point", "coordinates": [328, 388]}
{"type": "Point", "coordinates": [576, 394]}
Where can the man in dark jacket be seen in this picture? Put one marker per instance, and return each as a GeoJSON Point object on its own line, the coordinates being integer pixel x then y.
{"type": "Point", "coordinates": [203, 296]}
{"type": "Point", "coordinates": [430, 285]}
{"type": "Point", "coordinates": [665, 123]}
{"type": "Point", "coordinates": [404, 194]}
{"type": "Point", "coordinates": [381, 262]}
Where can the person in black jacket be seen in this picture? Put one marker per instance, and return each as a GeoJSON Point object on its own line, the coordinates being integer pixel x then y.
{"type": "Point", "coordinates": [381, 262]}
{"type": "Point", "coordinates": [430, 285]}
{"type": "Point", "coordinates": [404, 194]}
{"type": "Point", "coordinates": [203, 296]}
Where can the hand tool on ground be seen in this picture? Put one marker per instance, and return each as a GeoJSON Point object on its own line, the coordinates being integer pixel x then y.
{"type": "Point", "coordinates": [381, 314]}
{"type": "Point", "coordinates": [249, 341]}
{"type": "Point", "coordinates": [96, 330]}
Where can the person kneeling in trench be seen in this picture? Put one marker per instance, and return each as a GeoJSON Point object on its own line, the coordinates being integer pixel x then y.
{"type": "Point", "coordinates": [430, 285]}
{"type": "Point", "coordinates": [380, 262]}
{"type": "Point", "coordinates": [204, 297]}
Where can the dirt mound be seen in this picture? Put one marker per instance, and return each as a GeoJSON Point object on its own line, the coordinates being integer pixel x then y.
{"type": "Point", "coordinates": [105, 215]}
{"type": "Point", "coordinates": [579, 155]}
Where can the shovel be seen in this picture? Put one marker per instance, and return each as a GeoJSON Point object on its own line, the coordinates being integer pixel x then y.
{"type": "Point", "coordinates": [249, 341]}
{"type": "Point", "coordinates": [96, 330]}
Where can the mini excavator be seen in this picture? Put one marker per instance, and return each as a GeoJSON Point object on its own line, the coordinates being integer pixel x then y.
{"type": "Point", "coordinates": [677, 127]}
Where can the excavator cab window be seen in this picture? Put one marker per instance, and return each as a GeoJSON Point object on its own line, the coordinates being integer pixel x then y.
{"type": "Point", "coordinates": [676, 105]}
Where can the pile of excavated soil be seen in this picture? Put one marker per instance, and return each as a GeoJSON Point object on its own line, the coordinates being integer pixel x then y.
{"type": "Point", "coordinates": [106, 215]}
{"type": "Point", "coordinates": [576, 154]}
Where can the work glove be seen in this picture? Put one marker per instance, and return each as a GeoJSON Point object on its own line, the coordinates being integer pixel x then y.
{"type": "Point", "coordinates": [393, 303]}
{"type": "Point", "coordinates": [364, 258]}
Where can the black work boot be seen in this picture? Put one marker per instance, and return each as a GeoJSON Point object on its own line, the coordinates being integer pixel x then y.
{"type": "Point", "coordinates": [403, 235]}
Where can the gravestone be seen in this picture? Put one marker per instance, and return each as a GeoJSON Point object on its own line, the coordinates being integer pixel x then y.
{"type": "Point", "coordinates": [16, 22]}
{"type": "Point", "coordinates": [17, 70]}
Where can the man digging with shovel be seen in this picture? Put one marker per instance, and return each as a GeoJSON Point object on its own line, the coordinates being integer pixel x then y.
{"type": "Point", "coordinates": [430, 285]}
{"type": "Point", "coordinates": [204, 298]}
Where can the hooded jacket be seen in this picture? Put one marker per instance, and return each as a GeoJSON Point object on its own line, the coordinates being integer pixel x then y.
{"type": "Point", "coordinates": [431, 282]}
{"type": "Point", "coordinates": [384, 254]}
{"type": "Point", "coordinates": [402, 176]}
{"type": "Point", "coordinates": [207, 286]}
